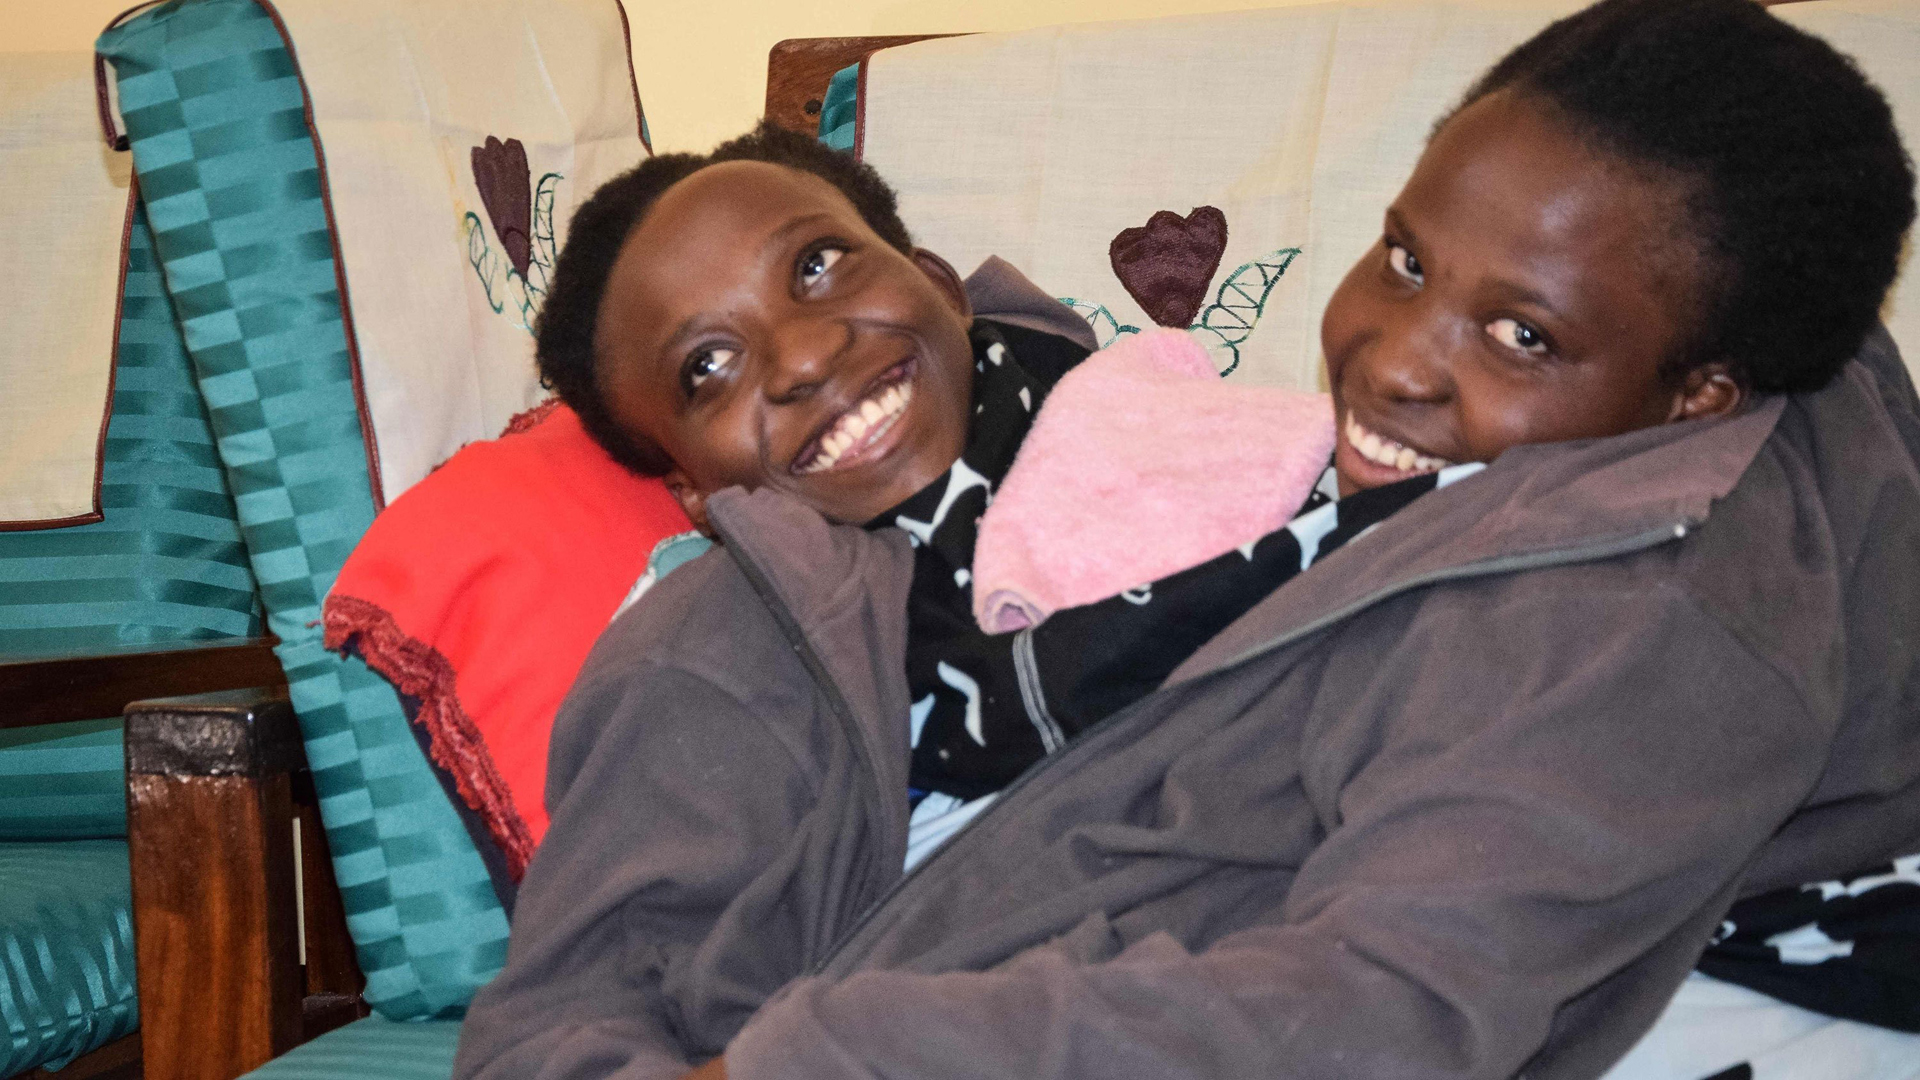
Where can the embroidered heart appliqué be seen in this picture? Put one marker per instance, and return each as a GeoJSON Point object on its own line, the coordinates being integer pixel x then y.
{"type": "Point", "coordinates": [505, 181]}
{"type": "Point", "coordinates": [1166, 264]}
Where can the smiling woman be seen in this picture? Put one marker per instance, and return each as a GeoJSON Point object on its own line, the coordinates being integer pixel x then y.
{"type": "Point", "coordinates": [793, 276]}
{"type": "Point", "coordinates": [1526, 289]}
{"type": "Point", "coordinates": [762, 334]}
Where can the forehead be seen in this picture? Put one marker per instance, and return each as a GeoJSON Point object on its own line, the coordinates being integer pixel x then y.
{"type": "Point", "coordinates": [1512, 182]}
{"type": "Point", "coordinates": [736, 198]}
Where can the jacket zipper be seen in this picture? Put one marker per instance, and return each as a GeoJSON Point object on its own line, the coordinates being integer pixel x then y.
{"type": "Point", "coordinates": [1095, 735]}
{"type": "Point", "coordinates": [1026, 666]}
{"type": "Point", "coordinates": [864, 767]}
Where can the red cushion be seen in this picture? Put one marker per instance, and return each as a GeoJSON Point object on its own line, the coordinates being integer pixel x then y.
{"type": "Point", "coordinates": [480, 591]}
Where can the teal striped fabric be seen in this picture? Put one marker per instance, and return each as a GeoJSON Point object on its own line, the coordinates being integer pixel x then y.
{"type": "Point", "coordinates": [66, 951]}
{"type": "Point", "coordinates": [63, 781]}
{"type": "Point", "coordinates": [213, 107]}
{"type": "Point", "coordinates": [166, 562]}
{"type": "Point", "coordinates": [839, 109]}
{"type": "Point", "coordinates": [370, 1049]}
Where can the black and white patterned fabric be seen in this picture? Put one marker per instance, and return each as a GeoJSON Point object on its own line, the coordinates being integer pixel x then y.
{"type": "Point", "coordinates": [988, 706]}
{"type": "Point", "coordinates": [1847, 948]}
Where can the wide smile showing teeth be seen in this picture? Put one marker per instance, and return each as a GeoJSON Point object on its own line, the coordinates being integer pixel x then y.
{"type": "Point", "coordinates": [1384, 451]}
{"type": "Point", "coordinates": [861, 426]}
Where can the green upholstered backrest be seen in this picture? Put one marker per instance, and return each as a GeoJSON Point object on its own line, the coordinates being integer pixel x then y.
{"type": "Point", "coordinates": [229, 173]}
{"type": "Point", "coordinates": [66, 951]}
{"type": "Point", "coordinates": [166, 562]}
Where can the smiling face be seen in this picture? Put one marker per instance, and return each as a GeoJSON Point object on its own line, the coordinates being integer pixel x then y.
{"type": "Point", "coordinates": [761, 334]}
{"type": "Point", "coordinates": [1527, 289]}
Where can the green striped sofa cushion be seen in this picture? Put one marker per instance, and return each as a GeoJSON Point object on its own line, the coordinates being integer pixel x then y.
{"type": "Point", "coordinates": [371, 1049]}
{"type": "Point", "coordinates": [213, 105]}
{"type": "Point", "coordinates": [63, 781]}
{"type": "Point", "coordinates": [66, 951]}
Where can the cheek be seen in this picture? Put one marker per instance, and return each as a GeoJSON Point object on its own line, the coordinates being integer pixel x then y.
{"type": "Point", "coordinates": [1495, 415]}
{"type": "Point", "coordinates": [1345, 320]}
{"type": "Point", "coordinates": [718, 449]}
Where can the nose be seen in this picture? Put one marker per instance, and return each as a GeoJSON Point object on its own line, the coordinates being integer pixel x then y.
{"type": "Point", "coordinates": [1410, 360]}
{"type": "Point", "coordinates": [802, 355]}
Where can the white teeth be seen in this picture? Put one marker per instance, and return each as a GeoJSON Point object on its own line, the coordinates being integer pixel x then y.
{"type": "Point", "coordinates": [860, 423]}
{"type": "Point", "coordinates": [1384, 451]}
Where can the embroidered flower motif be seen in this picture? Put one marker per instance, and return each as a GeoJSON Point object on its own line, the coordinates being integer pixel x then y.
{"type": "Point", "coordinates": [521, 214]}
{"type": "Point", "coordinates": [1166, 264]}
{"type": "Point", "coordinates": [505, 181]}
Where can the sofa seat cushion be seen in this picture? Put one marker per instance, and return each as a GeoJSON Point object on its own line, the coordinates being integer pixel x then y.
{"type": "Point", "coordinates": [66, 951]}
{"type": "Point", "coordinates": [371, 1049]}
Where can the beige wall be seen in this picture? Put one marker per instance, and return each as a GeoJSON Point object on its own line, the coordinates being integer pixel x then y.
{"type": "Point", "coordinates": [702, 63]}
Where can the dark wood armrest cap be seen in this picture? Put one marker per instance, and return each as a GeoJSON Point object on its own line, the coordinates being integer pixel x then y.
{"type": "Point", "coordinates": [227, 733]}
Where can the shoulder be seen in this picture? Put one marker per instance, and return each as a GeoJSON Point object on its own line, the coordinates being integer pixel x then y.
{"type": "Point", "coordinates": [700, 656]}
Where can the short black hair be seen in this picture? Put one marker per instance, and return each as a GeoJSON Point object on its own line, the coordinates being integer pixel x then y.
{"type": "Point", "coordinates": [564, 331]}
{"type": "Point", "coordinates": [1797, 188]}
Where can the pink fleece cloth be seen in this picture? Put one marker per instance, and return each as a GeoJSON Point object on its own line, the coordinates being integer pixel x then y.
{"type": "Point", "coordinates": [1142, 463]}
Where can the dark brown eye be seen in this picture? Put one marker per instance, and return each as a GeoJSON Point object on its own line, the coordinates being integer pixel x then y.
{"type": "Point", "coordinates": [1517, 336]}
{"type": "Point", "coordinates": [1405, 264]}
{"type": "Point", "coordinates": [816, 263]}
{"type": "Point", "coordinates": [704, 364]}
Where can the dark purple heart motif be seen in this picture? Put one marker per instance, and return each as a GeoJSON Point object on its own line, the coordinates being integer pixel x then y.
{"type": "Point", "coordinates": [506, 189]}
{"type": "Point", "coordinates": [1166, 264]}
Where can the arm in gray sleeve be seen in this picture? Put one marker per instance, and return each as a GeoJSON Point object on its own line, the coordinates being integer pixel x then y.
{"type": "Point", "coordinates": [667, 796]}
{"type": "Point", "coordinates": [1522, 866]}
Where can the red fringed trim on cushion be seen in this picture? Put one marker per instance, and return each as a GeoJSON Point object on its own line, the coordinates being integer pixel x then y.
{"type": "Point", "coordinates": [531, 418]}
{"type": "Point", "coordinates": [420, 671]}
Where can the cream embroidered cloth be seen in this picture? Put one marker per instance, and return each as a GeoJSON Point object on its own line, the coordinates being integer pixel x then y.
{"type": "Point", "coordinates": [1081, 153]}
{"type": "Point", "coordinates": [443, 275]}
{"type": "Point", "coordinates": [63, 211]}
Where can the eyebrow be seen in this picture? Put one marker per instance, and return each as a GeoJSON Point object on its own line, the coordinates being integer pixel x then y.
{"type": "Point", "coordinates": [1398, 224]}
{"type": "Point", "coordinates": [778, 238]}
{"type": "Point", "coordinates": [1519, 293]}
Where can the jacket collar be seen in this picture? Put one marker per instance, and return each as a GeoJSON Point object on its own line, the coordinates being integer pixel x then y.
{"type": "Point", "coordinates": [1535, 505]}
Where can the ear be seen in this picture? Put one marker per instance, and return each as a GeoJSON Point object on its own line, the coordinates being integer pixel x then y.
{"type": "Point", "coordinates": [691, 499]}
{"type": "Point", "coordinates": [1705, 392]}
{"type": "Point", "coordinates": [947, 280]}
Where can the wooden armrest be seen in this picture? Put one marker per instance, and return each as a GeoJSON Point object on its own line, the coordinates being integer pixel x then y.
{"type": "Point", "coordinates": [228, 863]}
{"type": "Point", "coordinates": [56, 689]}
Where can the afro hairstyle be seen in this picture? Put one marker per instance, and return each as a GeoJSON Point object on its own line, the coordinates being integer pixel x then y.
{"type": "Point", "coordinates": [1797, 190]}
{"type": "Point", "coordinates": [565, 330]}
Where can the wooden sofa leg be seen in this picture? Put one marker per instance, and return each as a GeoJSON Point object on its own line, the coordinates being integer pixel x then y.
{"type": "Point", "coordinates": [210, 813]}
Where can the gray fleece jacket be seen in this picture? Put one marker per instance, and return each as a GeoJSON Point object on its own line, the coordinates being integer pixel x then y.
{"type": "Point", "coordinates": [1465, 800]}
